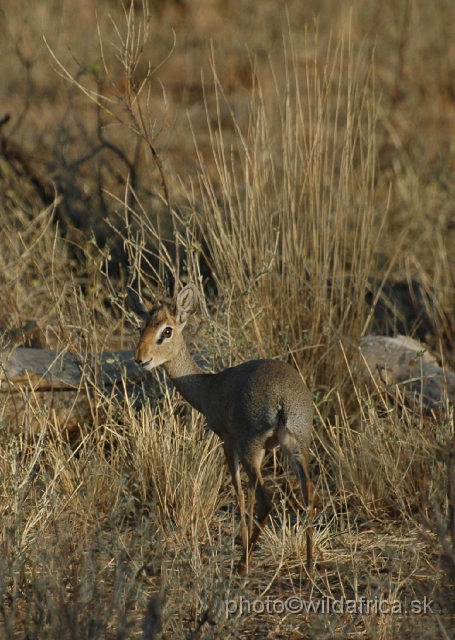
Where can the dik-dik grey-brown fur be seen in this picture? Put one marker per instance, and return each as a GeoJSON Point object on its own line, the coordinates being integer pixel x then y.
{"type": "Point", "coordinates": [253, 407]}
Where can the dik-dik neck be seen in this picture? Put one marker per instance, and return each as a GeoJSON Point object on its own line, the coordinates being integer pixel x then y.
{"type": "Point", "coordinates": [189, 379]}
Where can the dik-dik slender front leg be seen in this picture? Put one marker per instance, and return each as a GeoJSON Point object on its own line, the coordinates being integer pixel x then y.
{"type": "Point", "coordinates": [252, 466]}
{"type": "Point", "coordinates": [233, 463]}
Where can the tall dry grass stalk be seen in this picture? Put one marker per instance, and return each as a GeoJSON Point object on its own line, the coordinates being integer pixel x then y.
{"type": "Point", "coordinates": [287, 212]}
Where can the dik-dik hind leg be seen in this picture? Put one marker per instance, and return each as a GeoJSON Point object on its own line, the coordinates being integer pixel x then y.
{"type": "Point", "coordinates": [233, 463]}
{"type": "Point", "coordinates": [299, 464]}
{"type": "Point", "coordinates": [252, 466]}
{"type": "Point", "coordinates": [301, 470]}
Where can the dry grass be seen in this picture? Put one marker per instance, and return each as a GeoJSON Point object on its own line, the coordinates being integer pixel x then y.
{"type": "Point", "coordinates": [293, 175]}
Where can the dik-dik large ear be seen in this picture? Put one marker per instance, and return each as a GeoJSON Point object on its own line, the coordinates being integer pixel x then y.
{"type": "Point", "coordinates": [137, 304]}
{"type": "Point", "coordinates": [185, 304]}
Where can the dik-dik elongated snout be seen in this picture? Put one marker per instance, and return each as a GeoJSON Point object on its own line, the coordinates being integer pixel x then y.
{"type": "Point", "coordinates": [140, 361]}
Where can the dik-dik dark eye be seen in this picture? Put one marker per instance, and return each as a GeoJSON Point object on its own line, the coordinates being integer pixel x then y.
{"type": "Point", "coordinates": [166, 333]}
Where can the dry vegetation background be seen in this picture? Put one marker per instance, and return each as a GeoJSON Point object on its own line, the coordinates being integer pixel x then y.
{"type": "Point", "coordinates": [306, 152]}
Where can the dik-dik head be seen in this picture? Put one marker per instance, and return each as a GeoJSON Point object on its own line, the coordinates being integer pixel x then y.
{"type": "Point", "coordinates": [161, 336]}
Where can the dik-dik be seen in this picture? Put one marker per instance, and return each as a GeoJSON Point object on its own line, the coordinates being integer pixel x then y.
{"type": "Point", "coordinates": [253, 407]}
